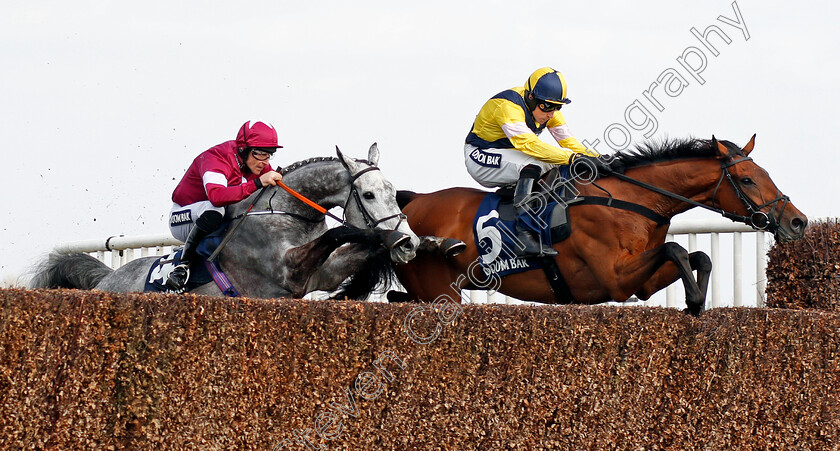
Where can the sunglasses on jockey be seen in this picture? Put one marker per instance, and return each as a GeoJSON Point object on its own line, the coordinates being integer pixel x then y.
{"type": "Point", "coordinates": [262, 154]}
{"type": "Point", "coordinates": [547, 107]}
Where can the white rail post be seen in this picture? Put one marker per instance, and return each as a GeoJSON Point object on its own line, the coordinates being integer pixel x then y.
{"type": "Point", "coordinates": [736, 273]}
{"type": "Point", "coordinates": [715, 271]}
{"type": "Point", "coordinates": [670, 290]}
{"type": "Point", "coordinates": [760, 269]}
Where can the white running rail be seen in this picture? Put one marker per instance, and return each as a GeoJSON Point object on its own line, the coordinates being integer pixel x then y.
{"type": "Point", "coordinates": [116, 251]}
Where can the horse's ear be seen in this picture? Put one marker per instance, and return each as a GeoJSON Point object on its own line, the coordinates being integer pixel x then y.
{"type": "Point", "coordinates": [723, 152]}
{"type": "Point", "coordinates": [373, 155]}
{"type": "Point", "coordinates": [348, 162]}
{"type": "Point", "coordinates": [749, 147]}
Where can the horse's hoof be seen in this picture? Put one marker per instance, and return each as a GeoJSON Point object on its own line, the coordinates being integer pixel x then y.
{"type": "Point", "coordinates": [695, 312]}
{"type": "Point", "coordinates": [397, 297]}
{"type": "Point", "coordinates": [452, 247]}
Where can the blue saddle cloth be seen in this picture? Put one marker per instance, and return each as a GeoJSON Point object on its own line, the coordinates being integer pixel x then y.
{"type": "Point", "coordinates": [199, 274]}
{"type": "Point", "coordinates": [495, 238]}
{"type": "Point", "coordinates": [159, 272]}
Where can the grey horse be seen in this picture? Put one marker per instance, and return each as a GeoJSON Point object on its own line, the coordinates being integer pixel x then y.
{"type": "Point", "coordinates": [283, 247]}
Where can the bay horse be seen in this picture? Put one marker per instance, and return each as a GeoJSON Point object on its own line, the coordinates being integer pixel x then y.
{"type": "Point", "coordinates": [612, 253]}
{"type": "Point", "coordinates": [284, 247]}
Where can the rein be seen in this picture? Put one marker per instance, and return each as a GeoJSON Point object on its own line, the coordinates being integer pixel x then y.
{"type": "Point", "coordinates": [757, 219]}
{"type": "Point", "coordinates": [312, 204]}
{"type": "Point", "coordinates": [369, 219]}
{"type": "Point", "coordinates": [236, 225]}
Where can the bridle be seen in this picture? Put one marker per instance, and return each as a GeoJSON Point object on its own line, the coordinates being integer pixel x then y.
{"type": "Point", "coordinates": [757, 219]}
{"type": "Point", "coordinates": [370, 221]}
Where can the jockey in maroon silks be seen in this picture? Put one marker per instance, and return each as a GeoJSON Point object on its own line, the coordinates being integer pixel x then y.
{"type": "Point", "coordinates": [220, 176]}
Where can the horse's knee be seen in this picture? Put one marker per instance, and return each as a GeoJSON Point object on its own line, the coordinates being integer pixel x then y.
{"type": "Point", "coordinates": [675, 251]}
{"type": "Point", "coordinates": [700, 261]}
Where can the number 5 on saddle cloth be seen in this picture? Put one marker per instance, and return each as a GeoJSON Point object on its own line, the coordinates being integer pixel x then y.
{"type": "Point", "coordinates": [496, 220]}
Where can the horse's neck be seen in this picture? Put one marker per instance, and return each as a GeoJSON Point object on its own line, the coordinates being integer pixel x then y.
{"type": "Point", "coordinates": [695, 179]}
{"type": "Point", "coordinates": [323, 183]}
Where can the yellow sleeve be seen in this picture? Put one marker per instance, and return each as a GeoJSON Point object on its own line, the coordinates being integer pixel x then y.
{"type": "Point", "coordinates": [560, 131]}
{"type": "Point", "coordinates": [525, 140]}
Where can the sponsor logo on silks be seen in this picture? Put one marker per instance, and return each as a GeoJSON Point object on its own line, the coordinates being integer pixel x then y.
{"type": "Point", "coordinates": [490, 160]}
{"type": "Point", "coordinates": [180, 218]}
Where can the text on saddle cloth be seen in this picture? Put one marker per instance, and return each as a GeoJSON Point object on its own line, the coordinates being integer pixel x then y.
{"type": "Point", "coordinates": [495, 234]}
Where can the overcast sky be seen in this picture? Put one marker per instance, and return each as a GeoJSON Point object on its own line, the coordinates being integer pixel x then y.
{"type": "Point", "coordinates": [104, 104]}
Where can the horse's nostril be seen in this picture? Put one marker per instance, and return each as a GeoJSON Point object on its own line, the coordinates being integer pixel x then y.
{"type": "Point", "coordinates": [798, 224]}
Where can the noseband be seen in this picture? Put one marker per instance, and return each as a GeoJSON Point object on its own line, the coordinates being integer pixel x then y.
{"type": "Point", "coordinates": [369, 219]}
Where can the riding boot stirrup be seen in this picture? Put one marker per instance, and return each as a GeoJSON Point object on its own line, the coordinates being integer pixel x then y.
{"type": "Point", "coordinates": [179, 276]}
{"type": "Point", "coordinates": [177, 280]}
{"type": "Point", "coordinates": [532, 247]}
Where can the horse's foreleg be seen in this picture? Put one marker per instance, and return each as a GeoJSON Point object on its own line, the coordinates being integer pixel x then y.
{"type": "Point", "coordinates": [682, 268]}
{"type": "Point", "coordinates": [701, 262]}
{"type": "Point", "coordinates": [343, 263]}
{"type": "Point", "coordinates": [448, 247]}
{"type": "Point", "coordinates": [301, 262]}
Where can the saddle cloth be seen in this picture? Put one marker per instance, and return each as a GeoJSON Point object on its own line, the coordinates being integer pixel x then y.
{"type": "Point", "coordinates": [199, 273]}
{"type": "Point", "coordinates": [495, 232]}
{"type": "Point", "coordinates": [163, 266]}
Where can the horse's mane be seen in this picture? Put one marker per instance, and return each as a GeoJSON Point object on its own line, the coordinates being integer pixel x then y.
{"type": "Point", "coordinates": [671, 149]}
{"type": "Point", "coordinates": [302, 163]}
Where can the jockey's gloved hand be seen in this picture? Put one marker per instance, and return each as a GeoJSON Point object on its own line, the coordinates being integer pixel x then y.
{"type": "Point", "coordinates": [615, 164]}
{"type": "Point", "coordinates": [584, 164]}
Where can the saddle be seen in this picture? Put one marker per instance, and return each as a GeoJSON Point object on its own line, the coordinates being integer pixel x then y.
{"type": "Point", "coordinates": [201, 272]}
{"type": "Point", "coordinates": [496, 221]}
{"type": "Point", "coordinates": [557, 201]}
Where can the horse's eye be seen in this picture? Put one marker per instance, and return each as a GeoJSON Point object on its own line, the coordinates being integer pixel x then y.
{"type": "Point", "coordinates": [368, 195]}
{"type": "Point", "coordinates": [747, 181]}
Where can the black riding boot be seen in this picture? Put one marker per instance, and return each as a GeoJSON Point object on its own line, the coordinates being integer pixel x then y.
{"type": "Point", "coordinates": [533, 247]}
{"type": "Point", "coordinates": [204, 225]}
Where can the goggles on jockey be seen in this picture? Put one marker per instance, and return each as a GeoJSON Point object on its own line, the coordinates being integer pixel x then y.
{"type": "Point", "coordinates": [547, 107]}
{"type": "Point", "coordinates": [262, 154]}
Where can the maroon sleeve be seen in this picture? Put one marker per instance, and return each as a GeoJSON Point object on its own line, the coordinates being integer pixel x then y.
{"type": "Point", "coordinates": [215, 174]}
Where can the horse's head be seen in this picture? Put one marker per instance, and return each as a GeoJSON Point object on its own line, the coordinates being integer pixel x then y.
{"type": "Point", "coordinates": [372, 203]}
{"type": "Point", "coordinates": [746, 189]}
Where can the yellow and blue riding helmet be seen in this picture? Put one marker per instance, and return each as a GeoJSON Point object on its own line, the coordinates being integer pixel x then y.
{"type": "Point", "coordinates": [547, 85]}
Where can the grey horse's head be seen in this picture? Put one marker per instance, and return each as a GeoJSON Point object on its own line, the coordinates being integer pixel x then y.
{"type": "Point", "coordinates": [372, 203]}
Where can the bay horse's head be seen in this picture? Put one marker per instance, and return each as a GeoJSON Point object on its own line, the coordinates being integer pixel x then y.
{"type": "Point", "coordinates": [746, 190]}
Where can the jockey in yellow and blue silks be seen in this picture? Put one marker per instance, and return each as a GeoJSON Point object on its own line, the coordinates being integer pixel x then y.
{"type": "Point", "coordinates": [503, 146]}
